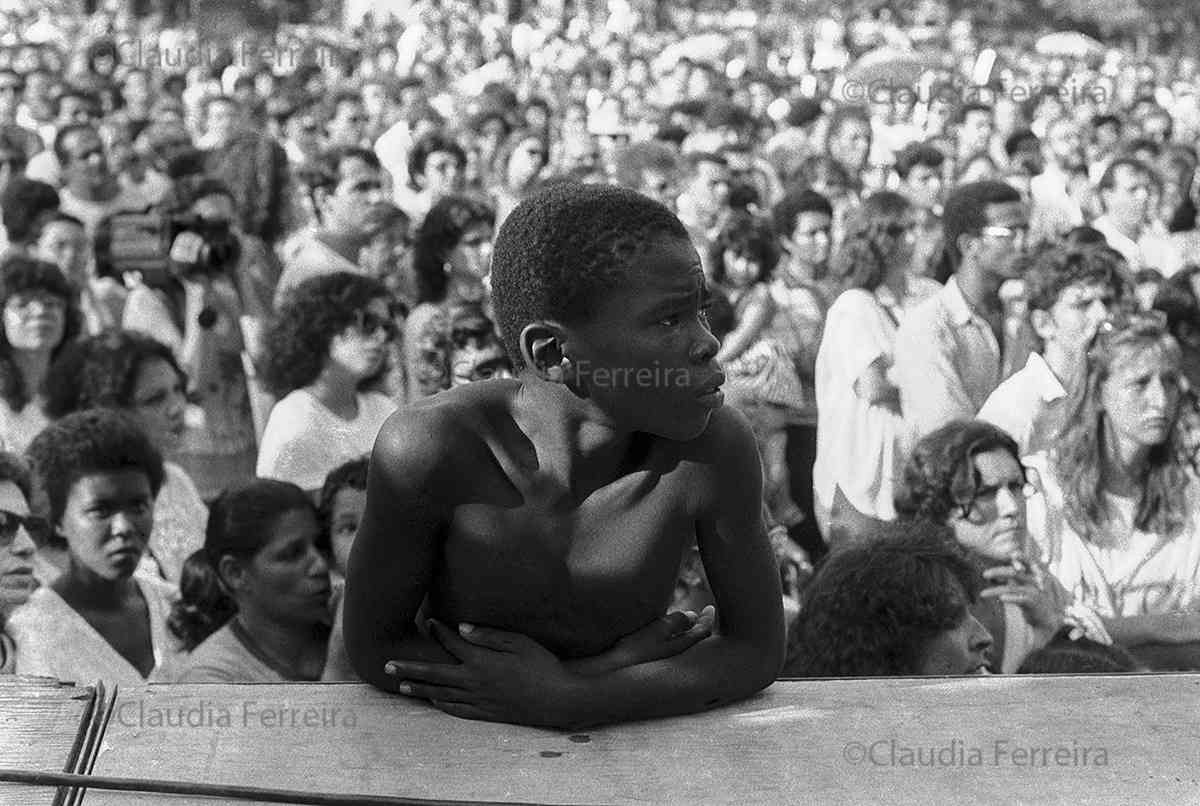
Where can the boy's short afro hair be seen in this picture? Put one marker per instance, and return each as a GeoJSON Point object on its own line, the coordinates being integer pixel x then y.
{"type": "Point", "coordinates": [85, 443]}
{"type": "Point", "coordinates": [564, 247]}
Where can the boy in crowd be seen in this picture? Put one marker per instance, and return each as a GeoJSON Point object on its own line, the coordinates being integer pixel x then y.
{"type": "Point", "coordinates": [554, 509]}
{"type": "Point", "coordinates": [1070, 290]}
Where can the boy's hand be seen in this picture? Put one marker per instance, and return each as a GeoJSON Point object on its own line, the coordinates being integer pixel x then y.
{"type": "Point", "coordinates": [664, 637]}
{"type": "Point", "coordinates": [502, 677]}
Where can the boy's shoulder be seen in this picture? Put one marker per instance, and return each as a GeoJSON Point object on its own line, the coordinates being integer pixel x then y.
{"type": "Point", "coordinates": [437, 434]}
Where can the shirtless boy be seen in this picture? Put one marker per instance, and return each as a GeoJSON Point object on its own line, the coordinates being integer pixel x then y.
{"type": "Point", "coordinates": [545, 516]}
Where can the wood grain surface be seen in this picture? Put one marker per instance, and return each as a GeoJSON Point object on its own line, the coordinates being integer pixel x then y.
{"type": "Point", "coordinates": [42, 727]}
{"type": "Point", "coordinates": [1001, 740]}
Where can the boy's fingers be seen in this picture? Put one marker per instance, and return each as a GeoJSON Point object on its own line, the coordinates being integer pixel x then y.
{"type": "Point", "coordinates": [487, 637]}
{"type": "Point", "coordinates": [427, 692]}
{"type": "Point", "coordinates": [460, 709]}
{"type": "Point", "coordinates": [448, 674]}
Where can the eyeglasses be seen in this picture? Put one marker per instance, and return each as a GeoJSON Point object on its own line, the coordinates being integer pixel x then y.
{"type": "Point", "coordinates": [369, 324]}
{"type": "Point", "coordinates": [37, 528]}
{"type": "Point", "coordinates": [1015, 234]}
{"type": "Point", "coordinates": [985, 496]}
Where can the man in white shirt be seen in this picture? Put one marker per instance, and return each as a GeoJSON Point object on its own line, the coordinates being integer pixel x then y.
{"type": "Point", "coordinates": [1055, 210]}
{"type": "Point", "coordinates": [1125, 194]}
{"type": "Point", "coordinates": [1071, 290]}
{"type": "Point", "coordinates": [947, 355]}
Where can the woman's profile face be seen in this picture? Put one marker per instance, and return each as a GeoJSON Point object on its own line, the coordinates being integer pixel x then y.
{"type": "Point", "coordinates": [961, 650]}
{"type": "Point", "coordinates": [34, 320]}
{"type": "Point", "coordinates": [288, 577]}
{"type": "Point", "coordinates": [159, 401]}
{"type": "Point", "coordinates": [16, 551]}
{"type": "Point", "coordinates": [361, 348]}
{"type": "Point", "coordinates": [471, 257]}
{"type": "Point", "coordinates": [1140, 398]}
{"type": "Point", "coordinates": [994, 523]}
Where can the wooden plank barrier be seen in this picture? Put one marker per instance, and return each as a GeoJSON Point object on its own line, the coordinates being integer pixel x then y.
{"type": "Point", "coordinates": [1001, 740]}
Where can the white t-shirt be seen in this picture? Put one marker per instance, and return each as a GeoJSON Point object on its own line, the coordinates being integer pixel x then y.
{"type": "Point", "coordinates": [1017, 404]}
{"type": "Point", "coordinates": [1138, 574]}
{"type": "Point", "coordinates": [303, 440]}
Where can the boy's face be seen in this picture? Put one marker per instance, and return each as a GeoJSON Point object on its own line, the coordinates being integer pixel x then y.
{"type": "Point", "coordinates": [1075, 316]}
{"type": "Point", "coordinates": [345, 513]}
{"type": "Point", "coordinates": [65, 245]}
{"type": "Point", "coordinates": [646, 356]}
{"type": "Point", "coordinates": [924, 186]}
{"type": "Point", "coordinates": [107, 520]}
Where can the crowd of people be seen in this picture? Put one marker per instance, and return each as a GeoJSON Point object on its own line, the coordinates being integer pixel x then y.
{"type": "Point", "coordinates": [955, 284]}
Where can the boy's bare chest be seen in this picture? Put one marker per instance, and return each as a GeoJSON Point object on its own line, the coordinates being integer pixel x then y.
{"type": "Point", "coordinates": [576, 575]}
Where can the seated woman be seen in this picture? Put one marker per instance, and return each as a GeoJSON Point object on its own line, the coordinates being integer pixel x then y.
{"type": "Point", "coordinates": [254, 603]}
{"type": "Point", "coordinates": [327, 344]}
{"type": "Point", "coordinates": [97, 474]}
{"type": "Point", "coordinates": [893, 606]}
{"type": "Point", "coordinates": [967, 476]}
{"type": "Point", "coordinates": [41, 317]}
{"type": "Point", "coordinates": [18, 532]}
{"type": "Point", "coordinates": [133, 373]}
{"type": "Point", "coordinates": [1118, 519]}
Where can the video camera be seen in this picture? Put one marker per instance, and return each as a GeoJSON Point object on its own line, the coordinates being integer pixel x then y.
{"type": "Point", "coordinates": [162, 246]}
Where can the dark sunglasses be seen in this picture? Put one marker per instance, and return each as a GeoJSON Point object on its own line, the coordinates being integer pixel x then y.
{"type": "Point", "coordinates": [369, 324]}
{"type": "Point", "coordinates": [38, 528]}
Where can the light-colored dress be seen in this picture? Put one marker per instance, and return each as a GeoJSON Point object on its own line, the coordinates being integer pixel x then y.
{"type": "Point", "coordinates": [180, 518]}
{"type": "Point", "coordinates": [18, 428]}
{"type": "Point", "coordinates": [53, 640]}
{"type": "Point", "coordinates": [1138, 574]}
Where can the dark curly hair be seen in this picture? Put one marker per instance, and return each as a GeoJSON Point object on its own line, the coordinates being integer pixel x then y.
{"type": "Point", "coordinates": [441, 230]}
{"type": "Point", "coordinates": [351, 475]}
{"type": "Point", "coordinates": [83, 444]}
{"type": "Point", "coordinates": [747, 235]}
{"type": "Point", "coordinates": [872, 608]}
{"type": "Point", "coordinates": [101, 372]}
{"type": "Point", "coordinates": [1054, 268]}
{"type": "Point", "coordinates": [431, 143]}
{"type": "Point", "coordinates": [297, 341]}
{"type": "Point", "coordinates": [940, 472]}
{"type": "Point", "coordinates": [20, 275]}
{"type": "Point", "coordinates": [564, 247]}
{"type": "Point", "coordinates": [796, 201]}
{"type": "Point", "coordinates": [239, 524]}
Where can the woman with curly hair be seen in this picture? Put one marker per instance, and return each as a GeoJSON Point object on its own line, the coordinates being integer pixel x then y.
{"type": "Point", "coordinates": [327, 343]}
{"type": "Point", "coordinates": [861, 434]}
{"type": "Point", "coordinates": [967, 475]}
{"type": "Point", "coordinates": [894, 606]}
{"type": "Point", "coordinates": [254, 603]}
{"type": "Point", "coordinates": [135, 374]}
{"type": "Point", "coordinates": [41, 317]}
{"type": "Point", "coordinates": [451, 258]}
{"type": "Point", "coordinates": [1118, 519]}
{"type": "Point", "coordinates": [95, 478]}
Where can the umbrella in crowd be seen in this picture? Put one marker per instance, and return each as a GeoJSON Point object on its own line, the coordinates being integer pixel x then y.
{"type": "Point", "coordinates": [1068, 43]}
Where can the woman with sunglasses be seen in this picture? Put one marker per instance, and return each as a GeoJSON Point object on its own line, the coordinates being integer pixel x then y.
{"type": "Point", "coordinates": [41, 317]}
{"type": "Point", "coordinates": [328, 343]}
{"type": "Point", "coordinates": [967, 475]}
{"type": "Point", "coordinates": [1118, 519]}
{"type": "Point", "coordinates": [19, 531]}
{"type": "Point", "coordinates": [451, 258]}
{"type": "Point", "coordinates": [861, 433]}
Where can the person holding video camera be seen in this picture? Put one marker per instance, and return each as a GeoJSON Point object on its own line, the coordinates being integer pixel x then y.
{"type": "Point", "coordinates": [195, 308]}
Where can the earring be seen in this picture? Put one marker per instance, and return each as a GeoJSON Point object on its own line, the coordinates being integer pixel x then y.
{"type": "Point", "coordinates": [446, 267]}
{"type": "Point", "coordinates": [559, 372]}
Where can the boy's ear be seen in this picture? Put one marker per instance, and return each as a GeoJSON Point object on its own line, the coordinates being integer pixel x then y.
{"type": "Point", "coordinates": [1042, 323]}
{"type": "Point", "coordinates": [542, 346]}
{"type": "Point", "coordinates": [231, 573]}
